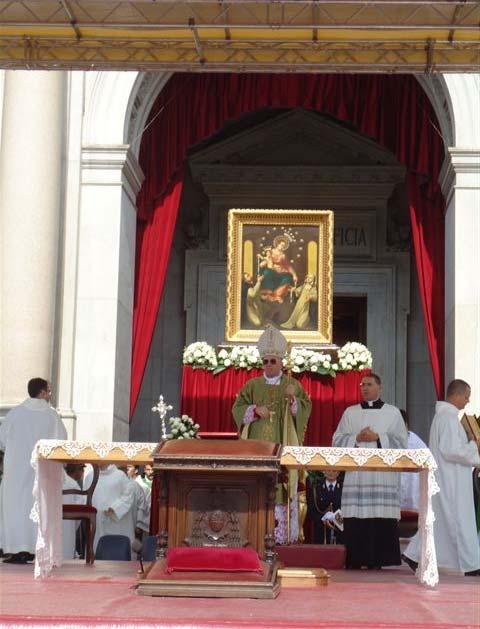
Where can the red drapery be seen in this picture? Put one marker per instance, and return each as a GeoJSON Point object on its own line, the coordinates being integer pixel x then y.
{"type": "Point", "coordinates": [393, 110]}
{"type": "Point", "coordinates": [209, 399]}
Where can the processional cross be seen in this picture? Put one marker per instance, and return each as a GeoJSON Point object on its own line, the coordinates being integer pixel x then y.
{"type": "Point", "coordinates": [162, 409]}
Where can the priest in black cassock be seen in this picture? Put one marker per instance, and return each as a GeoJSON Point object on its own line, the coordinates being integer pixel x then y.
{"type": "Point", "coordinates": [370, 500]}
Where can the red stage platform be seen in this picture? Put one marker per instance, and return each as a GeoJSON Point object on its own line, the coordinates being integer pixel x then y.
{"type": "Point", "coordinates": [103, 596]}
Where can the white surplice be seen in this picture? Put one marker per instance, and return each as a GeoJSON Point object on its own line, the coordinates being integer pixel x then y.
{"type": "Point", "coordinates": [70, 526]}
{"type": "Point", "coordinates": [371, 494]}
{"type": "Point", "coordinates": [22, 427]}
{"type": "Point", "coordinates": [114, 490]}
{"type": "Point", "coordinates": [141, 506]}
{"type": "Point", "coordinates": [410, 482]}
{"type": "Point", "coordinates": [455, 531]}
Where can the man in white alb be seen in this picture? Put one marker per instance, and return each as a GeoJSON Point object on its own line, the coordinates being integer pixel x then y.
{"type": "Point", "coordinates": [23, 426]}
{"type": "Point", "coordinates": [370, 500]}
{"type": "Point", "coordinates": [455, 531]}
{"type": "Point", "coordinates": [114, 499]}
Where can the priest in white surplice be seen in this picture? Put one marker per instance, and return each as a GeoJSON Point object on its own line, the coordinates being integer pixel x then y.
{"type": "Point", "coordinates": [370, 500]}
{"type": "Point", "coordinates": [22, 427]}
{"type": "Point", "coordinates": [114, 499]}
{"type": "Point", "coordinates": [455, 531]}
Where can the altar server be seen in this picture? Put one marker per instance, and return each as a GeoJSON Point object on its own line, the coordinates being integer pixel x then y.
{"type": "Point", "coordinates": [274, 407]}
{"type": "Point", "coordinates": [115, 501]}
{"type": "Point", "coordinates": [455, 531]}
{"type": "Point", "coordinates": [370, 500]}
{"type": "Point", "coordinates": [22, 427]}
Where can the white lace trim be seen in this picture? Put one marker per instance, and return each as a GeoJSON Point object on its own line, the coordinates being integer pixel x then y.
{"type": "Point", "coordinates": [421, 457]}
{"type": "Point", "coordinates": [101, 448]}
{"type": "Point", "coordinates": [427, 566]}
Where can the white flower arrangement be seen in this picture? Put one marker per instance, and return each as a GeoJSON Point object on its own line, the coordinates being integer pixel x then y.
{"type": "Point", "coordinates": [239, 357]}
{"type": "Point", "coordinates": [351, 357]}
{"type": "Point", "coordinates": [309, 360]}
{"type": "Point", "coordinates": [200, 355]}
{"type": "Point", "coordinates": [182, 428]}
{"type": "Point", "coordinates": [354, 356]}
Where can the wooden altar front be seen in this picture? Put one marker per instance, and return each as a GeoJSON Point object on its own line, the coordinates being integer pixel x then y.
{"type": "Point", "coordinates": [215, 494]}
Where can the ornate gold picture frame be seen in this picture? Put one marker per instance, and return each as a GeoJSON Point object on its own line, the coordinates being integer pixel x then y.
{"type": "Point", "coordinates": [280, 271]}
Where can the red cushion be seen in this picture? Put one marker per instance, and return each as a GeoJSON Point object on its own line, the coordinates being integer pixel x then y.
{"type": "Point", "coordinates": [406, 515]}
{"type": "Point", "coordinates": [213, 559]}
{"type": "Point", "coordinates": [78, 509]}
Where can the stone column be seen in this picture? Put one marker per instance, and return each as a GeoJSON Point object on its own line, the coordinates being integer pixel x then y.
{"type": "Point", "coordinates": [460, 180]}
{"type": "Point", "coordinates": [31, 151]}
{"type": "Point", "coordinates": [110, 180]}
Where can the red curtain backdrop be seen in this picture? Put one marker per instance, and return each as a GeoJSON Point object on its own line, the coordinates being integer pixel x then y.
{"type": "Point", "coordinates": [154, 240]}
{"type": "Point", "coordinates": [393, 110]}
{"type": "Point", "coordinates": [208, 399]}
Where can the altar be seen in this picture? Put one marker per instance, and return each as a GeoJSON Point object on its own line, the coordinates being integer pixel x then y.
{"type": "Point", "coordinates": [49, 456]}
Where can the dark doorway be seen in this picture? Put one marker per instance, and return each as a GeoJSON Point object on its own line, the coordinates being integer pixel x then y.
{"type": "Point", "coordinates": [349, 319]}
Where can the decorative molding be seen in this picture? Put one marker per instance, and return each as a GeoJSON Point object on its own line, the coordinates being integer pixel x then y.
{"type": "Point", "coordinates": [112, 165]}
{"type": "Point", "coordinates": [296, 175]}
{"type": "Point", "coordinates": [460, 161]}
{"type": "Point", "coordinates": [144, 93]}
{"type": "Point", "coordinates": [436, 89]}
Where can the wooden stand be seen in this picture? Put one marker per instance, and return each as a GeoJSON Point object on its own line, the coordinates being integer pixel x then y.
{"type": "Point", "coordinates": [303, 577]}
{"type": "Point", "coordinates": [218, 494]}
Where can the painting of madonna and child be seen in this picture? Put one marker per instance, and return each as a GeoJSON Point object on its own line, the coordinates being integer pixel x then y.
{"type": "Point", "coordinates": [280, 271]}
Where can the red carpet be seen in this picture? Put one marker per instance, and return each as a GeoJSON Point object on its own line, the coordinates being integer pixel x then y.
{"type": "Point", "coordinates": [103, 596]}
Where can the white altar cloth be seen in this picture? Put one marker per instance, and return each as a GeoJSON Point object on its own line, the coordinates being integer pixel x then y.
{"type": "Point", "coordinates": [49, 456]}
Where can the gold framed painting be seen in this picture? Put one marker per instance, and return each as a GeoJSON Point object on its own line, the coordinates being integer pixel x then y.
{"type": "Point", "coordinates": [280, 271]}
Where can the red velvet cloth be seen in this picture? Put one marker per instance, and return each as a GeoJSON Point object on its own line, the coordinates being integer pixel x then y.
{"type": "Point", "coordinates": [208, 399]}
{"type": "Point", "coordinates": [212, 560]}
{"type": "Point", "coordinates": [393, 110]}
{"type": "Point", "coordinates": [155, 237]}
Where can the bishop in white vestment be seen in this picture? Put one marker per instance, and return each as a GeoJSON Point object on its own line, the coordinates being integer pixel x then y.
{"type": "Point", "coordinates": [370, 500]}
{"type": "Point", "coordinates": [455, 532]}
{"type": "Point", "coordinates": [23, 426]}
{"type": "Point", "coordinates": [114, 499]}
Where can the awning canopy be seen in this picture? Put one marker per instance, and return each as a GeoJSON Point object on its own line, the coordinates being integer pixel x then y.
{"type": "Point", "coordinates": [242, 35]}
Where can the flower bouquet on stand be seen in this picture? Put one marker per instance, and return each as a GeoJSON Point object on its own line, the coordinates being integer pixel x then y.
{"type": "Point", "coordinates": [182, 428]}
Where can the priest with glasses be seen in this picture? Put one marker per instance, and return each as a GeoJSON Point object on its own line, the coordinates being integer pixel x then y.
{"type": "Point", "coordinates": [274, 407]}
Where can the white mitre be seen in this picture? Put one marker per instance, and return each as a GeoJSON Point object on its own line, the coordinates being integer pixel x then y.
{"type": "Point", "coordinates": [272, 343]}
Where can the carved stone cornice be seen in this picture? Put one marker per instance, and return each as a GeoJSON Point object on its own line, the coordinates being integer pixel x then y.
{"type": "Point", "coordinates": [336, 186]}
{"type": "Point", "coordinates": [229, 173]}
{"type": "Point", "coordinates": [461, 169]}
{"type": "Point", "coordinates": [112, 165]}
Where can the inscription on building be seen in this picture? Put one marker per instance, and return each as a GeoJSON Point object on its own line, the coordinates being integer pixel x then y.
{"type": "Point", "coordinates": [354, 235]}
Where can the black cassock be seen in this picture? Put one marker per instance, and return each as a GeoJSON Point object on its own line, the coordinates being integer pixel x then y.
{"type": "Point", "coordinates": [321, 499]}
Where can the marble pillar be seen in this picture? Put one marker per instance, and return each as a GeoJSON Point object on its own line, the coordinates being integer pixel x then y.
{"type": "Point", "coordinates": [31, 153]}
{"type": "Point", "coordinates": [461, 186]}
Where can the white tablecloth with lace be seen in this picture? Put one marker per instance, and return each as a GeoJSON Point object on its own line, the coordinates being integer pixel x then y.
{"type": "Point", "coordinates": [48, 458]}
{"type": "Point", "coordinates": [357, 459]}
{"type": "Point", "coordinates": [49, 455]}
